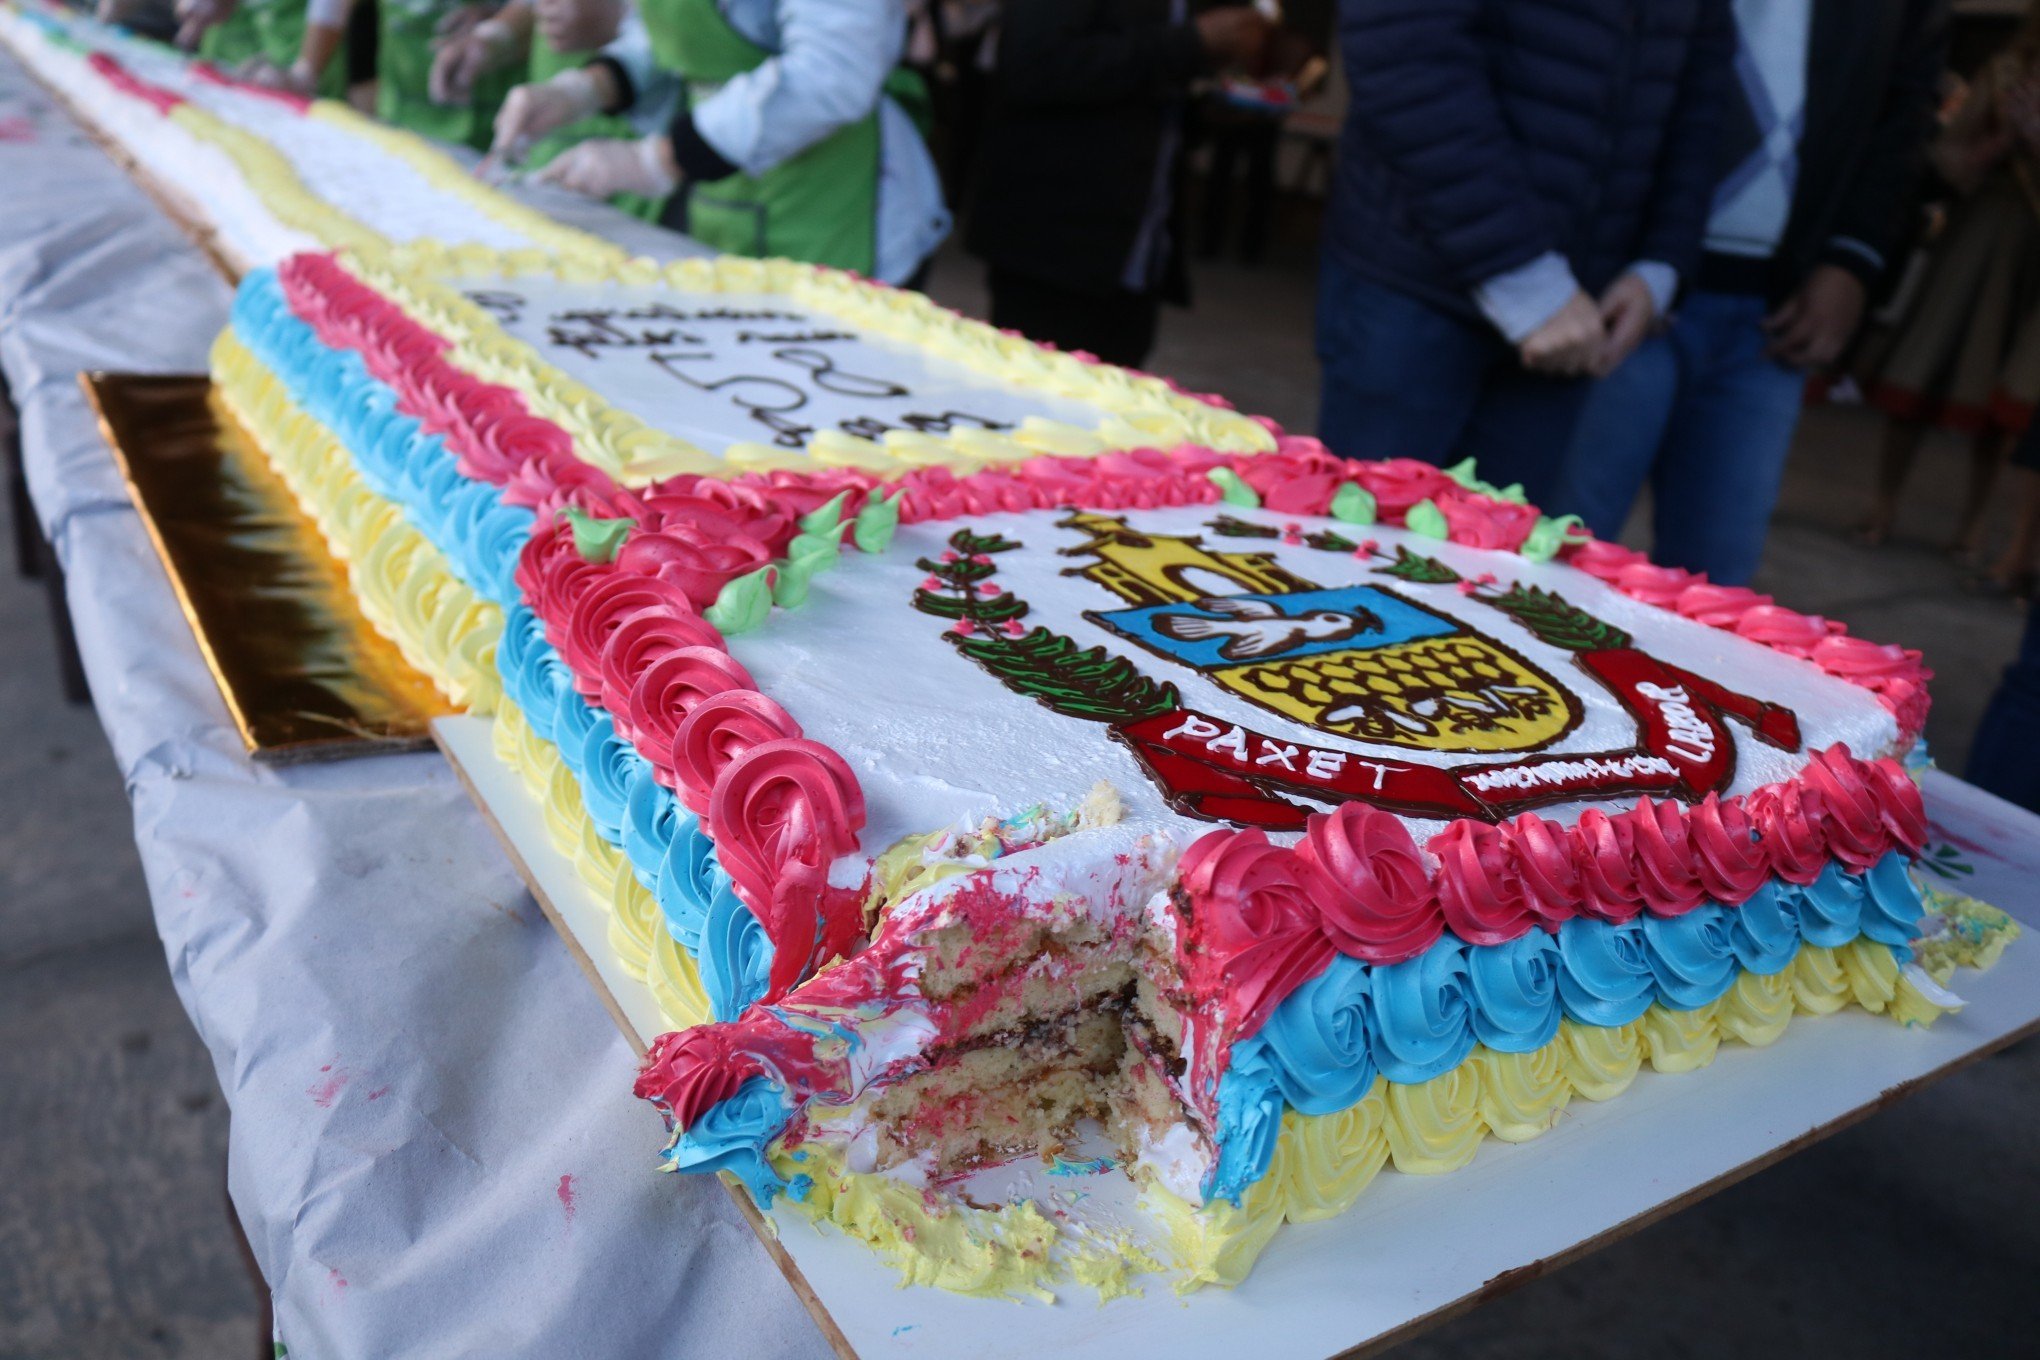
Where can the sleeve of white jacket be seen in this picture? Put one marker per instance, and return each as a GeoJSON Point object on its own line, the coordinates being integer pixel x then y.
{"type": "Point", "coordinates": [830, 69]}
{"type": "Point", "coordinates": [327, 13]}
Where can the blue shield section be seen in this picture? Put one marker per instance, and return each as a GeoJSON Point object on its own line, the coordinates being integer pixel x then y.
{"type": "Point", "coordinates": [1400, 621]}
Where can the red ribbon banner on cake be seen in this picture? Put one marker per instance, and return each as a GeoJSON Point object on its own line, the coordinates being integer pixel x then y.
{"type": "Point", "coordinates": [1212, 767]}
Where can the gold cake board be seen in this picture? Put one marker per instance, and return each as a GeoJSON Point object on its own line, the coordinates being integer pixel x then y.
{"type": "Point", "coordinates": [302, 672]}
{"type": "Point", "coordinates": [1414, 1251]}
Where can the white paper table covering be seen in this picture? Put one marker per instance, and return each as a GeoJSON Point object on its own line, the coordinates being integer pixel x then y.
{"type": "Point", "coordinates": [412, 1059]}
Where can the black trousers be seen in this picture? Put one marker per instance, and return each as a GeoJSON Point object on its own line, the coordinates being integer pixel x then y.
{"type": "Point", "coordinates": [1118, 327]}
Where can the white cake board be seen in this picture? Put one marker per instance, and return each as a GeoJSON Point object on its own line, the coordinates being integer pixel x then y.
{"type": "Point", "coordinates": [1415, 1249]}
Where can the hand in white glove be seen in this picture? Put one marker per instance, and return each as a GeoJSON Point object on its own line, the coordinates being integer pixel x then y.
{"type": "Point", "coordinates": [194, 17]}
{"type": "Point", "coordinates": [603, 167]}
{"type": "Point", "coordinates": [532, 111]}
{"type": "Point", "coordinates": [296, 78]}
{"type": "Point", "coordinates": [460, 60]}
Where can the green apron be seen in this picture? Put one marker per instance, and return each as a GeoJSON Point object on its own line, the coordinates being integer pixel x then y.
{"type": "Point", "coordinates": [403, 67]}
{"type": "Point", "coordinates": [547, 62]}
{"type": "Point", "coordinates": [274, 30]}
{"type": "Point", "coordinates": [820, 206]}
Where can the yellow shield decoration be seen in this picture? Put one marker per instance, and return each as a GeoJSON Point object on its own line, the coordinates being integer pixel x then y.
{"type": "Point", "coordinates": [1358, 661]}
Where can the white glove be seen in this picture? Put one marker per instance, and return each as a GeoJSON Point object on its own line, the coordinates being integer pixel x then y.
{"type": "Point", "coordinates": [296, 78]}
{"type": "Point", "coordinates": [461, 59]}
{"type": "Point", "coordinates": [603, 167]}
{"type": "Point", "coordinates": [531, 111]}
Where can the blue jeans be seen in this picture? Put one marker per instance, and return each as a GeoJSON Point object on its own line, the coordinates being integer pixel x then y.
{"type": "Point", "coordinates": [1707, 419]}
{"type": "Point", "coordinates": [2005, 757]}
{"type": "Point", "coordinates": [1405, 379]}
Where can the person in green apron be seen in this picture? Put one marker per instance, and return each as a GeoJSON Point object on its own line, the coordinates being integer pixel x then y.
{"type": "Point", "coordinates": [247, 36]}
{"type": "Point", "coordinates": [793, 137]}
{"type": "Point", "coordinates": [408, 35]}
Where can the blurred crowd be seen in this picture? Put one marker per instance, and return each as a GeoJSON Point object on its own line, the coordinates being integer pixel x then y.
{"type": "Point", "coordinates": [1597, 245]}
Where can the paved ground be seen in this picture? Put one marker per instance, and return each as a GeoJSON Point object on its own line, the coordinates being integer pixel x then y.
{"type": "Point", "coordinates": [1913, 1235]}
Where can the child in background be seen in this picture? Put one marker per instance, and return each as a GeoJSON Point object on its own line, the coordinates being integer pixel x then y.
{"type": "Point", "coordinates": [1966, 354]}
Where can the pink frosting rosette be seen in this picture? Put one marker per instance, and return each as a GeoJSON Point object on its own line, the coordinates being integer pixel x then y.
{"type": "Point", "coordinates": [1853, 818]}
{"type": "Point", "coordinates": [1785, 630]}
{"type": "Point", "coordinates": [1373, 890]}
{"type": "Point", "coordinates": [497, 442]}
{"type": "Point", "coordinates": [1604, 847]}
{"type": "Point", "coordinates": [1546, 861]}
{"type": "Point", "coordinates": [551, 575]}
{"type": "Point", "coordinates": [1653, 584]}
{"type": "Point", "coordinates": [1896, 675]}
{"type": "Point", "coordinates": [1789, 819]}
{"type": "Point", "coordinates": [689, 1072]}
{"type": "Point", "coordinates": [698, 560]}
{"type": "Point", "coordinates": [1717, 606]}
{"type": "Point", "coordinates": [1666, 875]}
{"type": "Point", "coordinates": [1480, 521]}
{"type": "Point", "coordinates": [614, 597]}
{"type": "Point", "coordinates": [719, 507]}
{"type": "Point", "coordinates": [1730, 863]}
{"type": "Point", "coordinates": [1287, 489]}
{"type": "Point", "coordinates": [1251, 931]}
{"type": "Point", "coordinates": [780, 814]}
{"type": "Point", "coordinates": [715, 732]}
{"type": "Point", "coordinates": [1479, 888]}
{"type": "Point", "coordinates": [667, 689]}
{"type": "Point", "coordinates": [1399, 483]}
{"type": "Point", "coordinates": [1899, 805]}
{"type": "Point", "coordinates": [638, 641]}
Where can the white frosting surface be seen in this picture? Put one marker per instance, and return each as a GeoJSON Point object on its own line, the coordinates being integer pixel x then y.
{"type": "Point", "coordinates": [348, 171]}
{"type": "Point", "coordinates": [718, 369]}
{"type": "Point", "coordinates": [936, 741]}
{"type": "Point", "coordinates": [207, 178]}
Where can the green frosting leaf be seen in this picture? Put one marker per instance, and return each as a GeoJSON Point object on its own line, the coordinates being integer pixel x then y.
{"type": "Point", "coordinates": [790, 587]}
{"type": "Point", "coordinates": [1231, 489]}
{"type": "Point", "coordinates": [877, 522]}
{"type": "Point", "coordinates": [826, 516]}
{"type": "Point", "coordinates": [1463, 473]}
{"type": "Point", "coordinates": [1354, 504]}
{"type": "Point", "coordinates": [1427, 520]}
{"type": "Point", "coordinates": [818, 549]}
{"type": "Point", "coordinates": [597, 540]}
{"type": "Point", "coordinates": [743, 604]}
{"type": "Point", "coordinates": [1551, 535]}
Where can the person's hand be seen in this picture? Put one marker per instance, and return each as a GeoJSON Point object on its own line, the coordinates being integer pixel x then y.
{"type": "Point", "coordinates": [531, 111]}
{"type": "Point", "coordinates": [1813, 325]}
{"type": "Point", "coordinates": [297, 78]}
{"type": "Point", "coordinates": [1234, 35]}
{"type": "Point", "coordinates": [1569, 343]}
{"type": "Point", "coordinates": [194, 17]}
{"type": "Point", "coordinates": [459, 61]}
{"type": "Point", "coordinates": [603, 166]}
{"type": "Point", "coordinates": [1628, 312]}
{"type": "Point", "coordinates": [579, 25]}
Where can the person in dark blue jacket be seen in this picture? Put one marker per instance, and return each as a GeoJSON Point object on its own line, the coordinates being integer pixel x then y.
{"type": "Point", "coordinates": [1521, 185]}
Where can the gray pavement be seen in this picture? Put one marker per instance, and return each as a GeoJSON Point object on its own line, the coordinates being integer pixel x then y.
{"type": "Point", "coordinates": [1909, 1236]}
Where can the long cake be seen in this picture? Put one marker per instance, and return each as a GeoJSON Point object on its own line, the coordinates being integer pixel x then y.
{"type": "Point", "coordinates": [995, 760]}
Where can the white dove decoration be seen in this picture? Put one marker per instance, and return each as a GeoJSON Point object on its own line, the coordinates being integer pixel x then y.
{"type": "Point", "coordinates": [1255, 628]}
